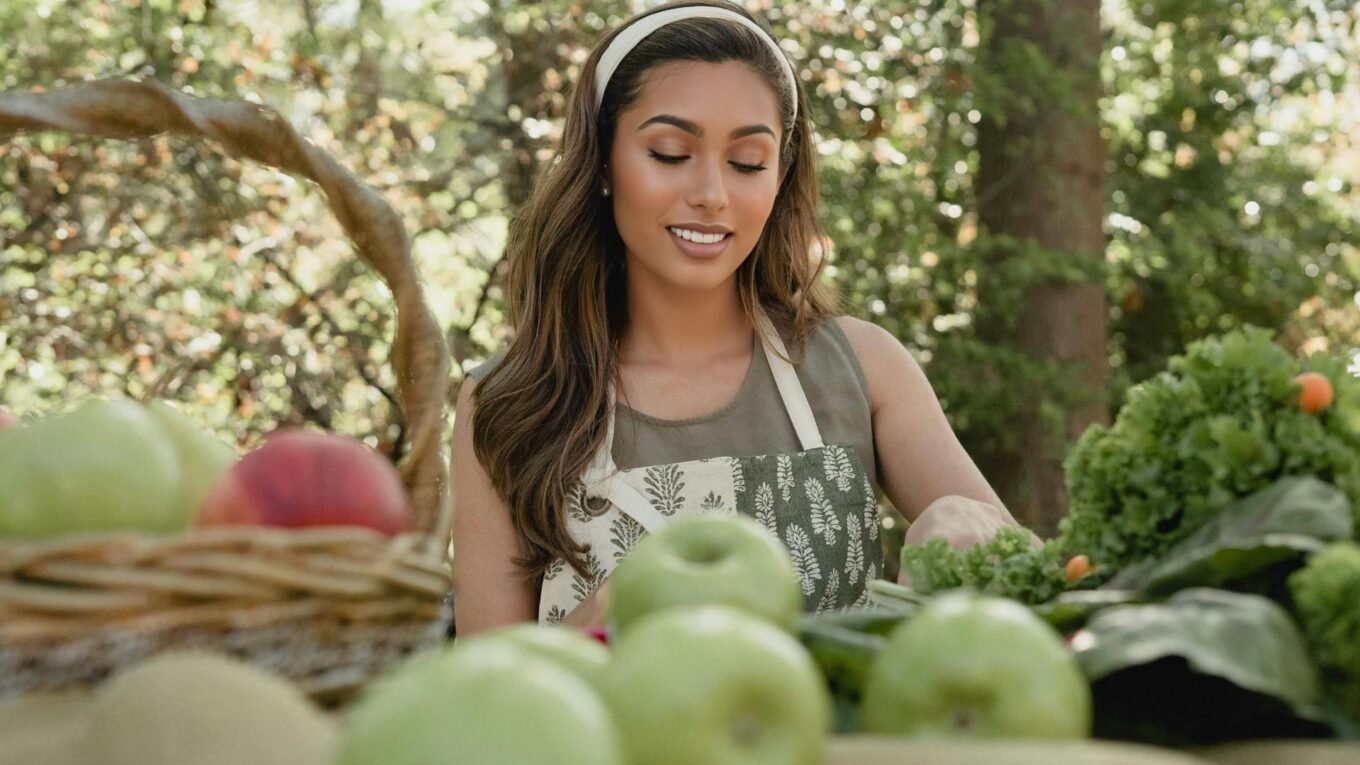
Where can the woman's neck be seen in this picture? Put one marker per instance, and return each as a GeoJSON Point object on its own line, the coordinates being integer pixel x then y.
{"type": "Point", "coordinates": [675, 328]}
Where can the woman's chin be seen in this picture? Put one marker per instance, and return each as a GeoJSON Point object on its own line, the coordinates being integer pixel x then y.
{"type": "Point", "coordinates": [701, 279]}
{"type": "Point", "coordinates": [688, 275]}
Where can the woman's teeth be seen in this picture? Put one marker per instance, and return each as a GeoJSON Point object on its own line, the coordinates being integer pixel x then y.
{"type": "Point", "coordinates": [695, 236]}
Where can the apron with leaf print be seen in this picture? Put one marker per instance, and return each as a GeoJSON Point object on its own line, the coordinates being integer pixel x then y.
{"type": "Point", "coordinates": [817, 501]}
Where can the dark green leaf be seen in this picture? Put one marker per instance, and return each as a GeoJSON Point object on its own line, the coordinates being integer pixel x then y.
{"type": "Point", "coordinates": [870, 620]}
{"type": "Point", "coordinates": [1166, 702]}
{"type": "Point", "coordinates": [1279, 524]}
{"type": "Point", "coordinates": [1245, 640]}
{"type": "Point", "coordinates": [844, 646]}
{"type": "Point", "coordinates": [892, 596]}
{"type": "Point", "coordinates": [1072, 610]}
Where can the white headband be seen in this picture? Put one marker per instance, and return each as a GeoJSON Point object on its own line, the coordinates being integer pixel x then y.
{"type": "Point", "coordinates": [636, 32]}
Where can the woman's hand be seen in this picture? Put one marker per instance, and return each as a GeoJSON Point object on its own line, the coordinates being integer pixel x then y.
{"type": "Point", "coordinates": [591, 613]}
{"type": "Point", "coordinates": [959, 521]}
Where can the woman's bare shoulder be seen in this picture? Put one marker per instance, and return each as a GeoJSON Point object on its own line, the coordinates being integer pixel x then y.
{"type": "Point", "coordinates": [874, 346]}
{"type": "Point", "coordinates": [479, 372]}
{"type": "Point", "coordinates": [886, 362]}
{"type": "Point", "coordinates": [861, 333]}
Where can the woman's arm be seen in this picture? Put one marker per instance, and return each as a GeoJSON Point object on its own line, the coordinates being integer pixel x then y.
{"type": "Point", "coordinates": [923, 468]}
{"type": "Point", "coordinates": [489, 590]}
{"type": "Point", "coordinates": [591, 613]}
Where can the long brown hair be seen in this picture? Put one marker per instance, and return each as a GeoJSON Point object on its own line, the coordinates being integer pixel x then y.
{"type": "Point", "coordinates": [541, 413]}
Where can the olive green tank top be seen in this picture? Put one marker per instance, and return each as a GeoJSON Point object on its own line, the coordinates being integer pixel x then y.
{"type": "Point", "coordinates": [755, 421]}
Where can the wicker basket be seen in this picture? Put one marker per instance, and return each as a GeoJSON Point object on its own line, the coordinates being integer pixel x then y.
{"type": "Point", "coordinates": [326, 607]}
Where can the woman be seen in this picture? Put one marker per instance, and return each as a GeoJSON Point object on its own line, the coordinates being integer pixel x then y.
{"type": "Point", "coordinates": [675, 353]}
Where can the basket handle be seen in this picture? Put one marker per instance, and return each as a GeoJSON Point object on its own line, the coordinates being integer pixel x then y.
{"type": "Point", "coordinates": [138, 109]}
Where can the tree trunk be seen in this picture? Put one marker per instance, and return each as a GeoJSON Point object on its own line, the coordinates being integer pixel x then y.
{"type": "Point", "coordinates": [1041, 182]}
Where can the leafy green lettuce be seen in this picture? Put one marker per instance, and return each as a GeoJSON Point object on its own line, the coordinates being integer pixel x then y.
{"type": "Point", "coordinates": [1327, 599]}
{"type": "Point", "coordinates": [1220, 423]}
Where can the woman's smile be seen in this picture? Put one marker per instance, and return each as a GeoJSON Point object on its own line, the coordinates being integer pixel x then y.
{"type": "Point", "coordinates": [700, 242]}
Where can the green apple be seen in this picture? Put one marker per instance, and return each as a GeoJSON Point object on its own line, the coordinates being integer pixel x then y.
{"type": "Point", "coordinates": [714, 685]}
{"type": "Point", "coordinates": [970, 665]}
{"type": "Point", "coordinates": [565, 647]}
{"type": "Point", "coordinates": [480, 703]}
{"type": "Point", "coordinates": [202, 455]}
{"type": "Point", "coordinates": [105, 465]}
{"type": "Point", "coordinates": [726, 559]}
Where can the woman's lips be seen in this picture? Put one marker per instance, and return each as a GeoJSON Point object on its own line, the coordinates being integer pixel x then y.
{"type": "Point", "coordinates": [697, 250]}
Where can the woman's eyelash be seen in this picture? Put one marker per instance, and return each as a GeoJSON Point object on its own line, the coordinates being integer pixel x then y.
{"type": "Point", "coordinates": [675, 160]}
{"type": "Point", "coordinates": [667, 158]}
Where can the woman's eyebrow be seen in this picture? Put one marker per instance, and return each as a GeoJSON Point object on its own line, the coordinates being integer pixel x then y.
{"type": "Point", "coordinates": [698, 132]}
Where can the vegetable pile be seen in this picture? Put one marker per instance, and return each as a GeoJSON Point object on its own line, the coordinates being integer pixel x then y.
{"type": "Point", "coordinates": [1221, 422]}
{"type": "Point", "coordinates": [1207, 578]}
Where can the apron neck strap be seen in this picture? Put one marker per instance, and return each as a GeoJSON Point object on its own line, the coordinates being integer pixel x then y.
{"type": "Point", "coordinates": [602, 466]}
{"type": "Point", "coordinates": [790, 389]}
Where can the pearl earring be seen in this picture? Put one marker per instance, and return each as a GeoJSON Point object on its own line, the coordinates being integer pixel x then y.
{"type": "Point", "coordinates": [604, 192]}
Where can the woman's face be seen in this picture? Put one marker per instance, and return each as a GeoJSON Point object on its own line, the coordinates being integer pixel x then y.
{"type": "Point", "coordinates": [694, 172]}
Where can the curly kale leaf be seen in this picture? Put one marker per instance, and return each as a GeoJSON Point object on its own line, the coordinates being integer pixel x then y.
{"type": "Point", "coordinates": [1009, 565]}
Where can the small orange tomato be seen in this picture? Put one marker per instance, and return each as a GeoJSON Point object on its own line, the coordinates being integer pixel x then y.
{"type": "Point", "coordinates": [1077, 567]}
{"type": "Point", "coordinates": [1316, 392]}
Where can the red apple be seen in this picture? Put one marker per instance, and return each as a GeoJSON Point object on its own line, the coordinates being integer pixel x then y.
{"type": "Point", "coordinates": [305, 478]}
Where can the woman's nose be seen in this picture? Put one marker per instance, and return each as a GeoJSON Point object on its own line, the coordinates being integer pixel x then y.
{"type": "Point", "coordinates": [708, 189]}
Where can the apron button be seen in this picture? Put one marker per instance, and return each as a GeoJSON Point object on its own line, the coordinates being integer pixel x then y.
{"type": "Point", "coordinates": [596, 506]}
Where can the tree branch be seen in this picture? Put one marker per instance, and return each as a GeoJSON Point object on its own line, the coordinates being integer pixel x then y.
{"type": "Point", "coordinates": [309, 13]}
{"type": "Point", "coordinates": [353, 344]}
{"type": "Point", "coordinates": [457, 337]}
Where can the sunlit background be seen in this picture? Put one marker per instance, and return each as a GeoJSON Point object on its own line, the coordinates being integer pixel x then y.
{"type": "Point", "coordinates": [1231, 196]}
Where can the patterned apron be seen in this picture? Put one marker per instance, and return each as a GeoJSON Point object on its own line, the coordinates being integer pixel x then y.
{"type": "Point", "coordinates": [817, 501]}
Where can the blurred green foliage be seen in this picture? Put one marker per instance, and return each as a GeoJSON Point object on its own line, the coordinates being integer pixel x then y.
{"type": "Point", "coordinates": [161, 267]}
{"type": "Point", "coordinates": [1325, 594]}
